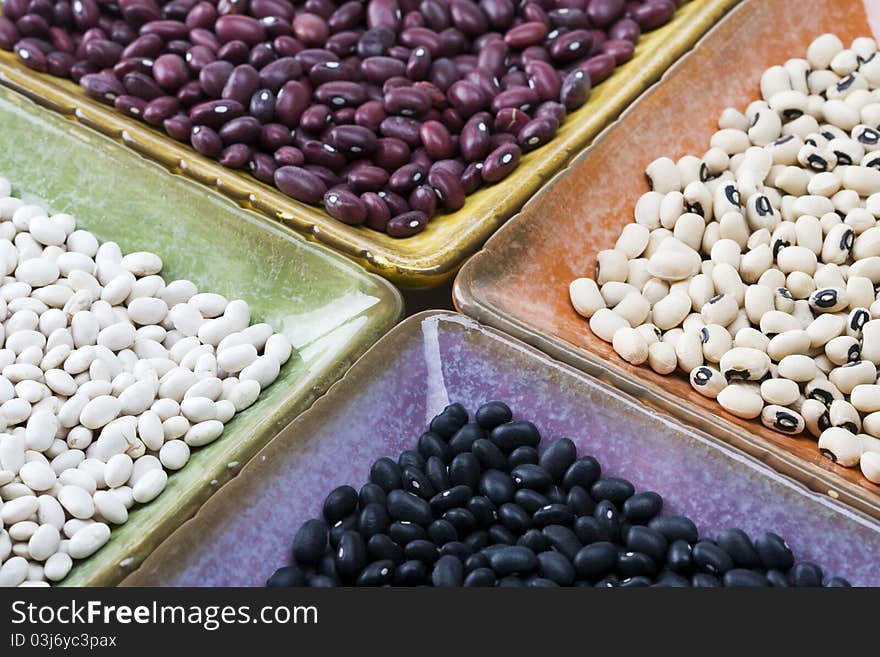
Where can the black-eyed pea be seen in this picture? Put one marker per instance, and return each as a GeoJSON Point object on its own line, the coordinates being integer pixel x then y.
{"type": "Point", "coordinates": [872, 205]}
{"type": "Point", "coordinates": [633, 240]}
{"type": "Point", "coordinates": [815, 415]}
{"type": "Point", "coordinates": [689, 351]}
{"type": "Point", "coordinates": [800, 285]}
{"type": "Point", "coordinates": [630, 345]}
{"type": "Point", "coordinates": [710, 236]}
{"type": "Point", "coordinates": [772, 278]}
{"type": "Point", "coordinates": [859, 98]}
{"type": "Point", "coordinates": [870, 68]}
{"type": "Point", "coordinates": [650, 333]}
{"type": "Point", "coordinates": [874, 309]}
{"type": "Point", "coordinates": [733, 226]}
{"type": "Point", "coordinates": [674, 261]}
{"type": "Point", "coordinates": [707, 381]}
{"type": "Point", "coordinates": [842, 414]}
{"type": "Point", "coordinates": [671, 208]}
{"type": "Point", "coordinates": [795, 341]}
{"type": "Point", "coordinates": [693, 322]}
{"type": "Point", "coordinates": [812, 205]}
{"type": "Point", "coordinates": [726, 198]}
{"type": "Point", "coordinates": [841, 114]}
{"type": "Point", "coordinates": [869, 463]}
{"type": "Point", "coordinates": [845, 62]}
{"type": "Point", "coordinates": [783, 301]}
{"type": "Point", "coordinates": [841, 446]}
{"type": "Point", "coordinates": [793, 179]}
{"type": "Point", "coordinates": [614, 291]}
{"type": "Point", "coordinates": [766, 126]}
{"type": "Point", "coordinates": [741, 400]}
{"type": "Point", "coordinates": [726, 251]}
{"type": "Point", "coordinates": [654, 290]}
{"type": "Point", "coordinates": [782, 419]}
{"type": "Point", "coordinates": [658, 236]}
{"type": "Point", "coordinates": [662, 358]}
{"type": "Point", "coordinates": [797, 367]}
{"type": "Point", "coordinates": [698, 199]}
{"type": "Point", "coordinates": [797, 258]}
{"type": "Point", "coordinates": [871, 159]}
{"type": "Point", "coordinates": [868, 140]}
{"type": "Point", "coordinates": [716, 160]}
{"type": "Point", "coordinates": [866, 397]}
{"type": "Point", "coordinates": [706, 268]}
{"type": "Point", "coordinates": [837, 245]}
{"type": "Point", "coordinates": [716, 342]}
{"type": "Point", "coordinates": [700, 290]}
{"type": "Point", "coordinates": [850, 87]}
{"type": "Point", "coordinates": [733, 118]}
{"type": "Point", "coordinates": [756, 260]}
{"type": "Point", "coordinates": [825, 366]}
{"type": "Point", "coordinates": [826, 183]}
{"type": "Point", "coordinates": [610, 266]}
{"type": "Point", "coordinates": [820, 81]}
{"type": "Point", "coordinates": [721, 309]}
{"type": "Point", "coordinates": [783, 153]}
{"type": "Point", "coordinates": [825, 328]}
{"type": "Point", "coordinates": [816, 158]}
{"type": "Point", "coordinates": [822, 50]}
{"type": "Point", "coordinates": [773, 80]}
{"type": "Point", "coordinates": [781, 392]}
{"type": "Point", "coordinates": [828, 300]}
{"type": "Point", "coordinates": [871, 425]}
{"type": "Point", "coordinates": [647, 210]}
{"type": "Point", "coordinates": [689, 167]}
{"type": "Point", "coordinates": [867, 244]}
{"type": "Point", "coordinates": [829, 275]}
{"type": "Point", "coordinates": [689, 228]}
{"type": "Point", "coordinates": [726, 280]}
{"type": "Point", "coordinates": [672, 336]}
{"type": "Point", "coordinates": [823, 390]}
{"type": "Point", "coordinates": [803, 313]}
{"type": "Point", "coordinates": [731, 141]}
{"type": "Point", "coordinates": [864, 180]}
{"type": "Point", "coordinates": [745, 364]}
{"type": "Point", "coordinates": [679, 286]}
{"type": "Point", "coordinates": [637, 272]}
{"type": "Point", "coordinates": [758, 300]}
{"type": "Point", "coordinates": [740, 322]}
{"type": "Point", "coordinates": [845, 201]}
{"type": "Point", "coordinates": [585, 296]}
{"type": "Point", "coordinates": [843, 349]}
{"type": "Point", "coordinates": [856, 320]}
{"type": "Point", "coordinates": [797, 69]}
{"type": "Point", "coordinates": [634, 308]}
{"type": "Point", "coordinates": [663, 175]}
{"type": "Point", "coordinates": [751, 338]}
{"type": "Point", "coordinates": [869, 268]}
{"type": "Point", "coordinates": [605, 322]}
{"type": "Point", "coordinates": [783, 235]}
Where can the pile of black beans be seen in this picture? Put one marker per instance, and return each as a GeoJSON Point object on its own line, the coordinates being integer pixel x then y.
{"type": "Point", "coordinates": [477, 505]}
{"type": "Point", "coordinates": [384, 111]}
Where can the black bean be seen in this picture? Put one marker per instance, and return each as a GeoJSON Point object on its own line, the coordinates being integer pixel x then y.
{"type": "Point", "coordinates": [583, 472]}
{"type": "Point", "coordinates": [563, 540]}
{"type": "Point", "coordinates": [489, 455]}
{"type": "Point", "coordinates": [608, 518]}
{"type": "Point", "coordinates": [451, 498]}
{"type": "Point", "coordinates": [531, 476]}
{"type": "Point", "coordinates": [341, 502]}
{"type": "Point", "coordinates": [679, 557]}
{"type": "Point", "coordinates": [322, 582]}
{"type": "Point", "coordinates": [501, 535]}
{"type": "Point", "coordinates": [435, 468]}
{"type": "Point", "coordinates": [448, 571]}
{"type": "Point", "coordinates": [477, 540]}
{"type": "Point", "coordinates": [493, 413]}
{"type": "Point", "coordinates": [512, 559]}
{"type": "Point", "coordinates": [608, 582]}
{"type": "Point", "coordinates": [483, 510]}
{"type": "Point", "coordinates": [579, 501]}
{"type": "Point", "coordinates": [648, 541]}
{"type": "Point", "coordinates": [310, 542]}
{"type": "Point", "coordinates": [558, 457]}
{"type": "Point", "coordinates": [641, 507]}
{"type": "Point", "coordinates": [287, 576]}
{"type": "Point", "coordinates": [553, 514]}
{"type": "Point", "coordinates": [530, 500]}
{"type": "Point", "coordinates": [381, 546]}
{"type": "Point", "coordinates": [462, 519]}
{"type": "Point", "coordinates": [515, 434]}
{"type": "Point", "coordinates": [669, 579]}
{"type": "Point", "coordinates": [456, 549]}
{"type": "Point", "coordinates": [406, 506]}
{"type": "Point", "coordinates": [593, 562]}
{"type": "Point", "coordinates": [556, 494]}
{"type": "Point", "coordinates": [464, 438]}
{"type": "Point", "coordinates": [534, 540]}
{"type": "Point", "coordinates": [635, 582]}
{"type": "Point", "coordinates": [465, 470]}
{"type": "Point", "coordinates": [740, 548]}
{"type": "Point", "coordinates": [497, 486]}
{"type": "Point", "coordinates": [386, 474]}
{"type": "Point", "coordinates": [522, 455]}
{"type": "Point", "coordinates": [711, 559]}
{"type": "Point", "coordinates": [430, 444]}
{"type": "Point", "coordinates": [449, 421]}
{"type": "Point", "coordinates": [587, 530]}
{"type": "Point", "coordinates": [514, 517]}
{"type": "Point", "coordinates": [480, 577]}
{"type": "Point", "coordinates": [442, 531]}
{"type": "Point", "coordinates": [416, 482]}
{"type": "Point", "coordinates": [411, 459]}
{"type": "Point", "coordinates": [374, 519]}
{"type": "Point", "coordinates": [774, 552]}
{"type": "Point", "coordinates": [422, 550]}
{"type": "Point", "coordinates": [805, 573]}
{"type": "Point", "coordinates": [342, 526]}
{"type": "Point", "coordinates": [351, 555]}
{"type": "Point", "coordinates": [511, 582]}
{"type": "Point", "coordinates": [836, 582]}
{"type": "Point", "coordinates": [327, 565]}
{"type": "Point", "coordinates": [675, 527]}
{"type": "Point", "coordinates": [411, 573]}
{"type": "Point", "coordinates": [777, 579]}
{"type": "Point", "coordinates": [403, 533]}
{"type": "Point", "coordinates": [613, 489]}
{"type": "Point", "coordinates": [704, 580]}
{"type": "Point", "coordinates": [377, 573]}
{"type": "Point", "coordinates": [743, 577]}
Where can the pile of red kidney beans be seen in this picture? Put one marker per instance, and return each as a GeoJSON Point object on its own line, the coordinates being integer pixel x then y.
{"type": "Point", "coordinates": [384, 111]}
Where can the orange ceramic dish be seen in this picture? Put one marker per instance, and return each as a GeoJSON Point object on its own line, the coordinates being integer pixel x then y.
{"type": "Point", "coordinates": [433, 256]}
{"type": "Point", "coordinates": [519, 282]}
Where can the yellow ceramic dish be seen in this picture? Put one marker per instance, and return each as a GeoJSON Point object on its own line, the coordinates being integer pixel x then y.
{"type": "Point", "coordinates": [433, 256]}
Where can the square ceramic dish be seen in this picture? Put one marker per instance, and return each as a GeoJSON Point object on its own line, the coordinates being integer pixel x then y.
{"type": "Point", "coordinates": [434, 255]}
{"type": "Point", "coordinates": [329, 308]}
{"type": "Point", "coordinates": [385, 402]}
{"type": "Point", "coordinates": [519, 282]}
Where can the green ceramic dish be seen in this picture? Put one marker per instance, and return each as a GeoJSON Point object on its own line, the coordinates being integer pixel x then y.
{"type": "Point", "coordinates": [329, 307]}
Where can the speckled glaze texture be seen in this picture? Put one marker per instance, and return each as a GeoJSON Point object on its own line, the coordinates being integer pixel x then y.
{"type": "Point", "coordinates": [329, 308]}
{"type": "Point", "coordinates": [519, 282]}
{"type": "Point", "coordinates": [385, 401]}
{"type": "Point", "coordinates": [433, 256]}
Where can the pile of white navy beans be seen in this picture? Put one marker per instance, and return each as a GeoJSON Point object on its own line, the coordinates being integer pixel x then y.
{"type": "Point", "coordinates": [754, 269]}
{"type": "Point", "coordinates": [109, 376]}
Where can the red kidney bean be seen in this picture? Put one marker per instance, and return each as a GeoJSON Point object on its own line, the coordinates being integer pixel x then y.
{"type": "Point", "coordinates": [424, 199]}
{"type": "Point", "coordinates": [468, 18]}
{"type": "Point", "coordinates": [100, 86]}
{"type": "Point", "coordinates": [343, 44]}
{"type": "Point", "coordinates": [391, 153]}
{"type": "Point", "coordinates": [413, 19]}
{"type": "Point", "coordinates": [346, 17]}
{"type": "Point", "coordinates": [15, 9]}
{"type": "Point", "coordinates": [32, 57]}
{"type": "Point", "coordinates": [625, 28]}
{"type": "Point", "coordinates": [438, 98]}
{"type": "Point", "coordinates": [274, 136]}
{"type": "Point", "coordinates": [190, 93]}
{"type": "Point", "coordinates": [419, 64]}
{"type": "Point", "coordinates": [289, 156]}
{"type": "Point", "coordinates": [178, 127]}
{"type": "Point", "coordinates": [407, 101]}
{"type": "Point", "coordinates": [200, 37]}
{"type": "Point", "coordinates": [9, 34]}
{"type": "Point", "coordinates": [311, 29]}
{"type": "Point", "coordinates": [653, 13]}
{"type": "Point", "coordinates": [317, 152]}
{"type": "Point", "coordinates": [263, 168]}
{"type": "Point", "coordinates": [375, 42]}
{"type": "Point", "coordinates": [499, 12]}
{"type": "Point", "coordinates": [395, 202]}
{"type": "Point", "coordinates": [378, 213]}
{"type": "Point", "coordinates": [242, 83]}
{"type": "Point", "coordinates": [203, 14]}
{"type": "Point", "coordinates": [316, 118]}
{"type": "Point", "coordinates": [235, 156]}
{"type": "Point", "coordinates": [521, 98]}
{"type": "Point", "coordinates": [526, 35]}
{"type": "Point", "coordinates": [471, 177]}
{"type": "Point", "coordinates": [134, 65]}
{"type": "Point", "coordinates": [275, 27]}
{"type": "Point", "coordinates": [353, 140]}
{"type": "Point", "coordinates": [131, 105]}
{"type": "Point", "coordinates": [59, 63]}
{"type": "Point", "coordinates": [142, 86]}
{"type": "Point", "coordinates": [467, 98]}
{"type": "Point", "coordinates": [436, 140]}
{"type": "Point", "coordinates": [534, 12]}
{"type": "Point", "coordinates": [300, 183]}
{"type": "Point", "coordinates": [383, 13]}
{"type": "Point", "coordinates": [571, 46]}
{"type": "Point", "coordinates": [292, 101]}
{"type": "Point", "coordinates": [493, 58]}
{"type": "Point", "coordinates": [370, 115]}
{"type": "Point", "coordinates": [235, 27]}
{"type": "Point", "coordinates": [206, 141]}
{"type": "Point", "coordinates": [274, 75]}
{"type": "Point", "coordinates": [324, 72]}
{"type": "Point", "coordinates": [620, 49]}
{"type": "Point", "coordinates": [266, 8]}
{"type": "Point", "coordinates": [215, 113]}
{"type": "Point", "coordinates": [61, 40]}
{"type": "Point", "coordinates": [198, 57]}
{"type": "Point", "coordinates": [536, 133]}
{"type": "Point", "coordinates": [402, 128]}
{"type": "Point", "coordinates": [599, 40]}
{"type": "Point", "coordinates": [167, 29]}
{"type": "Point", "coordinates": [170, 72]}
{"type": "Point", "coordinates": [262, 105]}
{"type": "Point", "coordinates": [544, 79]}
{"type": "Point", "coordinates": [82, 68]}
{"type": "Point", "coordinates": [62, 13]}
{"type": "Point", "coordinates": [598, 67]}
{"type": "Point", "coordinates": [407, 224]}
{"type": "Point", "coordinates": [474, 139]}
{"type": "Point", "coordinates": [379, 69]}
{"type": "Point", "coordinates": [453, 42]}
{"type": "Point", "coordinates": [234, 52]}
{"type": "Point", "coordinates": [85, 13]}
{"type": "Point", "coordinates": [33, 25]}
{"type": "Point", "coordinates": [603, 13]}
{"type": "Point", "coordinates": [573, 19]}
{"type": "Point", "coordinates": [330, 178]}
{"type": "Point", "coordinates": [148, 45]}
{"type": "Point", "coordinates": [286, 46]}
{"type": "Point", "coordinates": [178, 47]}
{"type": "Point", "coordinates": [421, 159]}
{"type": "Point", "coordinates": [159, 109]}
{"type": "Point", "coordinates": [341, 94]}
{"type": "Point", "coordinates": [39, 44]}
{"type": "Point", "coordinates": [413, 37]}
{"type": "Point", "coordinates": [122, 33]}
{"type": "Point", "coordinates": [367, 178]}
{"type": "Point", "coordinates": [552, 110]}
{"type": "Point", "coordinates": [500, 163]}
{"type": "Point", "coordinates": [241, 130]}
{"type": "Point", "coordinates": [346, 206]}
{"type": "Point", "coordinates": [513, 80]}
{"type": "Point", "coordinates": [443, 73]}
{"type": "Point", "coordinates": [575, 89]}
{"type": "Point", "coordinates": [404, 179]}
{"type": "Point", "coordinates": [448, 188]}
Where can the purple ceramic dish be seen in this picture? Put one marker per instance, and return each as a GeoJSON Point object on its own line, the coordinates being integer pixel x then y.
{"type": "Point", "coordinates": [386, 400]}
